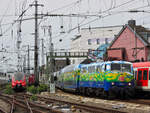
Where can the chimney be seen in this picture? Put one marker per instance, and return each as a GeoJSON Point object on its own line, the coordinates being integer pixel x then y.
{"type": "Point", "coordinates": [132, 22]}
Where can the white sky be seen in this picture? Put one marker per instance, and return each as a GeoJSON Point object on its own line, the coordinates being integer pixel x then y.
{"type": "Point", "coordinates": [115, 16]}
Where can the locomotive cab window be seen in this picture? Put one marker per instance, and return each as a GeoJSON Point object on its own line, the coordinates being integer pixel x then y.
{"type": "Point", "coordinates": [121, 67]}
{"type": "Point", "coordinates": [115, 67]}
{"type": "Point", "coordinates": [126, 68]}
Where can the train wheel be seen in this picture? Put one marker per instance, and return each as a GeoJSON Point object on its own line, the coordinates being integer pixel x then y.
{"type": "Point", "coordinates": [105, 94]}
{"type": "Point", "coordinates": [129, 93]}
{"type": "Point", "coordinates": [77, 91]}
{"type": "Point", "coordinates": [88, 90]}
{"type": "Point", "coordinates": [111, 94]}
{"type": "Point", "coordinates": [97, 92]}
{"type": "Point", "coordinates": [82, 91]}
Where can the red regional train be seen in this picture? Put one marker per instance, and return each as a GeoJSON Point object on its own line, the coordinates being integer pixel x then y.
{"type": "Point", "coordinates": [31, 79]}
{"type": "Point", "coordinates": [142, 75]}
{"type": "Point", "coordinates": [20, 80]}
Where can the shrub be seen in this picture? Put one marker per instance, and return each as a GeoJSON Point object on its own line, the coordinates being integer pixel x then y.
{"type": "Point", "coordinates": [32, 89]}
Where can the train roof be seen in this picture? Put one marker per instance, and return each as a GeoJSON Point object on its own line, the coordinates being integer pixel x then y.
{"type": "Point", "coordinates": [141, 64]}
{"type": "Point", "coordinates": [75, 66]}
{"type": "Point", "coordinates": [70, 67]}
{"type": "Point", "coordinates": [106, 62]}
{"type": "Point", "coordinates": [121, 62]}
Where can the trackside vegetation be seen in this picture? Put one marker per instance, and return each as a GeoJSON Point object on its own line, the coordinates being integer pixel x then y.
{"type": "Point", "coordinates": [34, 90]}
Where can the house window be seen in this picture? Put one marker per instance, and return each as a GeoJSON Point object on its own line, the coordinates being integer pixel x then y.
{"type": "Point", "coordinates": [89, 41]}
{"type": "Point", "coordinates": [98, 41]}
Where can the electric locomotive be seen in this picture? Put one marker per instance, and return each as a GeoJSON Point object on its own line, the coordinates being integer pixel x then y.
{"type": "Point", "coordinates": [110, 79]}
{"type": "Point", "coordinates": [19, 80]}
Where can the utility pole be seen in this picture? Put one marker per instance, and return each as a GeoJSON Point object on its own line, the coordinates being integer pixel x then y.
{"type": "Point", "coordinates": [28, 59]}
{"type": "Point", "coordinates": [42, 64]}
{"type": "Point", "coordinates": [19, 67]}
{"type": "Point", "coordinates": [24, 64]}
{"type": "Point", "coordinates": [36, 66]}
{"type": "Point", "coordinates": [42, 52]}
{"type": "Point", "coordinates": [51, 66]}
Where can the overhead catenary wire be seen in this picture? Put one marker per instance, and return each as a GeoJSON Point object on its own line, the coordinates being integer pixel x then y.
{"type": "Point", "coordinates": [68, 5]}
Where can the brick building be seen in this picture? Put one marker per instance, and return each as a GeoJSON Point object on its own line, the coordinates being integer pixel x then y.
{"type": "Point", "coordinates": [132, 43]}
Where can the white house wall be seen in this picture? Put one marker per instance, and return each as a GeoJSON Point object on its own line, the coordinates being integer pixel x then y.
{"type": "Point", "coordinates": [81, 43]}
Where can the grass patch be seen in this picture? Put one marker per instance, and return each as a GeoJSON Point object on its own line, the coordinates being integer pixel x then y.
{"type": "Point", "coordinates": [8, 89]}
{"type": "Point", "coordinates": [33, 98]}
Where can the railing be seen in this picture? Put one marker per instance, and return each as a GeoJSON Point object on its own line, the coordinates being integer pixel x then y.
{"type": "Point", "coordinates": [68, 54]}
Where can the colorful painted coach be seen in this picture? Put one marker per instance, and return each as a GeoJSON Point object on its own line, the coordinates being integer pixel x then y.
{"type": "Point", "coordinates": [106, 78]}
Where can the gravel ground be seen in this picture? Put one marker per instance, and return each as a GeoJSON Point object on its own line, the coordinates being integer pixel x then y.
{"type": "Point", "coordinates": [121, 106]}
{"type": "Point", "coordinates": [5, 106]}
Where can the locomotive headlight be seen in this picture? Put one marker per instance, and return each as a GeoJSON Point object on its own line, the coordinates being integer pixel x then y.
{"type": "Point", "coordinates": [129, 84]}
{"type": "Point", "coordinates": [112, 83]}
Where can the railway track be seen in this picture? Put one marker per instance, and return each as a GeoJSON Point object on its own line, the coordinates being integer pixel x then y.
{"type": "Point", "coordinates": [21, 104]}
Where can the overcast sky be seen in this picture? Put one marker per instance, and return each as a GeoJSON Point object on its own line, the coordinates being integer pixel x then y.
{"type": "Point", "coordinates": [110, 12]}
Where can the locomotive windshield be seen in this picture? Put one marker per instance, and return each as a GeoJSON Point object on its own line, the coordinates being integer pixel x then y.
{"type": "Point", "coordinates": [19, 76]}
{"type": "Point", "coordinates": [121, 67]}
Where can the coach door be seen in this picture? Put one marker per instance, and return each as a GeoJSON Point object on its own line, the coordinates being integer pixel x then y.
{"type": "Point", "coordinates": [142, 77]}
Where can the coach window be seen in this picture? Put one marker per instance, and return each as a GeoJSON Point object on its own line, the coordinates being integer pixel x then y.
{"type": "Point", "coordinates": [91, 69]}
{"type": "Point", "coordinates": [149, 75]}
{"type": "Point", "coordinates": [84, 70]}
{"type": "Point", "coordinates": [145, 75]}
{"type": "Point", "coordinates": [139, 75]}
{"type": "Point", "coordinates": [135, 74]}
{"type": "Point", "coordinates": [98, 69]}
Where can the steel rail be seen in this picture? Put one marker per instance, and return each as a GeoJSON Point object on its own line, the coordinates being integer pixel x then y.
{"type": "Point", "coordinates": [12, 106]}
{"type": "Point", "coordinates": [3, 111]}
{"type": "Point", "coordinates": [17, 102]}
{"type": "Point", "coordinates": [28, 104]}
{"type": "Point", "coordinates": [21, 103]}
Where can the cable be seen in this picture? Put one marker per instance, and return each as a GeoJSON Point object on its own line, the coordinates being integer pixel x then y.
{"type": "Point", "coordinates": [66, 6]}
{"type": "Point", "coordinates": [118, 6]}
{"type": "Point", "coordinates": [16, 20]}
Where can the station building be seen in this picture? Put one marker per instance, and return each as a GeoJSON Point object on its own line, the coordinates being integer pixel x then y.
{"type": "Point", "coordinates": [132, 43]}
{"type": "Point", "coordinates": [89, 39]}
